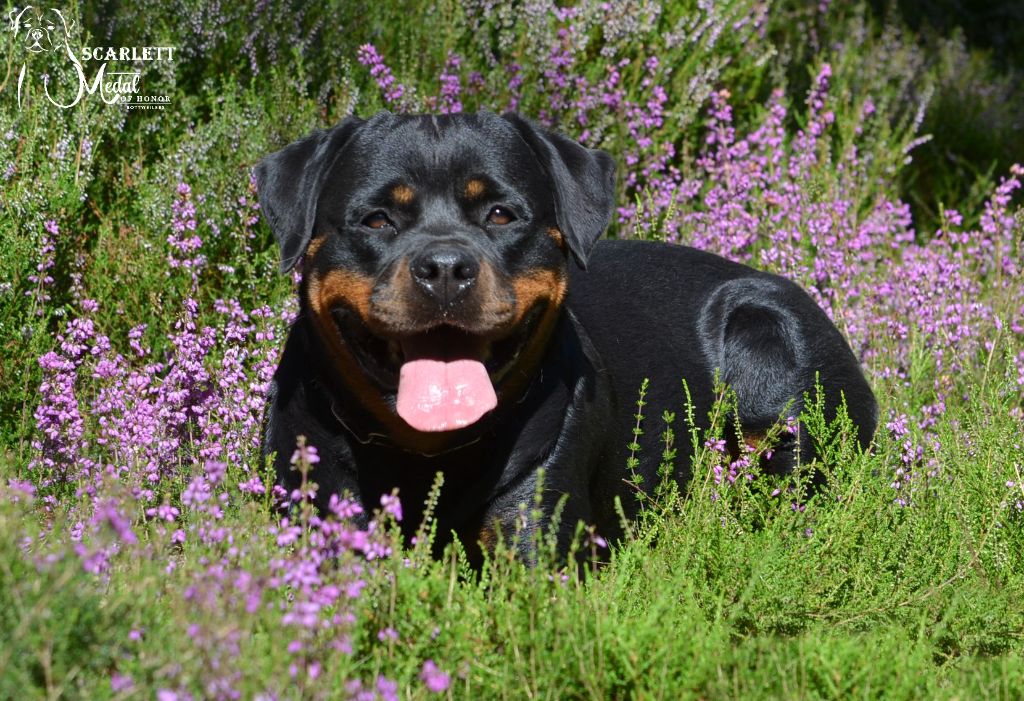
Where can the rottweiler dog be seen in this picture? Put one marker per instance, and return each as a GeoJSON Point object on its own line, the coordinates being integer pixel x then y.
{"type": "Point", "coordinates": [459, 314]}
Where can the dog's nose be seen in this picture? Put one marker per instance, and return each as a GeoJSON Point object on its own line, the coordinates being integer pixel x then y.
{"type": "Point", "coordinates": [445, 274]}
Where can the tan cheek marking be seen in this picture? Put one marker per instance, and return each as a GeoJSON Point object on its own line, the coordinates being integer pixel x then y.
{"type": "Point", "coordinates": [474, 188]}
{"type": "Point", "coordinates": [557, 236]}
{"type": "Point", "coordinates": [402, 194]}
{"type": "Point", "coordinates": [326, 290]}
{"type": "Point", "coordinates": [536, 285]}
{"type": "Point", "coordinates": [531, 288]}
{"type": "Point", "coordinates": [323, 293]}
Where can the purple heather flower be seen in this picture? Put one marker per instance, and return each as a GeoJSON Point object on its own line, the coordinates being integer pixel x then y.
{"type": "Point", "coordinates": [371, 58]}
{"type": "Point", "coordinates": [451, 86]}
{"type": "Point", "coordinates": [387, 689]}
{"type": "Point", "coordinates": [20, 490]}
{"type": "Point", "coordinates": [171, 695]}
{"type": "Point", "coordinates": [434, 678]}
{"type": "Point", "coordinates": [305, 455]}
{"type": "Point", "coordinates": [391, 505]}
{"type": "Point", "coordinates": [121, 683]}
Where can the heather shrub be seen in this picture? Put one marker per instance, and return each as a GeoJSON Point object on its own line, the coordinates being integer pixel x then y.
{"type": "Point", "coordinates": [143, 550]}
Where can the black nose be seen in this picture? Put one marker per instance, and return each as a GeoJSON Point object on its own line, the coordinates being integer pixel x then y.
{"type": "Point", "coordinates": [445, 274]}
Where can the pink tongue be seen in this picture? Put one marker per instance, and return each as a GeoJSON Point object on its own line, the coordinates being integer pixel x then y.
{"type": "Point", "coordinates": [437, 396]}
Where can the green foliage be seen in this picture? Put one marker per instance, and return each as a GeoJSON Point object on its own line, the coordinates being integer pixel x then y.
{"type": "Point", "coordinates": [61, 633]}
{"type": "Point", "coordinates": [853, 596]}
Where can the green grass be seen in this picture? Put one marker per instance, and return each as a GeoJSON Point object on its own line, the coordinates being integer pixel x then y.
{"type": "Point", "coordinates": [736, 597]}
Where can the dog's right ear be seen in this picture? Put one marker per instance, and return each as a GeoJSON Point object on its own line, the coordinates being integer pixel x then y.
{"type": "Point", "coordinates": [289, 182]}
{"type": "Point", "coordinates": [583, 182]}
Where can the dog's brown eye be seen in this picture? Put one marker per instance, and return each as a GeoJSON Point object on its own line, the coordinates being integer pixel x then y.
{"type": "Point", "coordinates": [377, 220]}
{"type": "Point", "coordinates": [500, 216]}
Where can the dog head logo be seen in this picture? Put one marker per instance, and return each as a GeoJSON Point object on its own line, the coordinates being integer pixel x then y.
{"type": "Point", "coordinates": [39, 30]}
{"type": "Point", "coordinates": [45, 36]}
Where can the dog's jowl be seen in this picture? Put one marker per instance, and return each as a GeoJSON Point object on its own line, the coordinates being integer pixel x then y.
{"type": "Point", "coordinates": [459, 314]}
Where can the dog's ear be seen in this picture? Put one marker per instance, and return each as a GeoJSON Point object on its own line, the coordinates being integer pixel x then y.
{"type": "Point", "coordinates": [67, 24]}
{"type": "Point", "coordinates": [289, 182]}
{"type": "Point", "coordinates": [583, 180]}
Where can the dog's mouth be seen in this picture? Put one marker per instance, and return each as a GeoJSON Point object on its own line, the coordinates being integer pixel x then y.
{"type": "Point", "coordinates": [444, 378]}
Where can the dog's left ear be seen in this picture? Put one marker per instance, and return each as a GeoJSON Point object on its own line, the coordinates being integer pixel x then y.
{"type": "Point", "coordinates": [68, 23]}
{"type": "Point", "coordinates": [583, 181]}
{"type": "Point", "coordinates": [289, 182]}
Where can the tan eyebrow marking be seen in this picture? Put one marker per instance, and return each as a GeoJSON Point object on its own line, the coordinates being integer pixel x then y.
{"type": "Point", "coordinates": [402, 194]}
{"type": "Point", "coordinates": [474, 188]}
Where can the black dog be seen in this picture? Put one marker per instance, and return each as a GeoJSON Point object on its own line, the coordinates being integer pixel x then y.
{"type": "Point", "coordinates": [444, 328]}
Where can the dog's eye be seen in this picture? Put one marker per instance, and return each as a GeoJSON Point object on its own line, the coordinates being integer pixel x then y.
{"type": "Point", "coordinates": [500, 216]}
{"type": "Point", "coordinates": [378, 220]}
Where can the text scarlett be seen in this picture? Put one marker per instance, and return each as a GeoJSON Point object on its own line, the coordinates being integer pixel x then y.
{"type": "Point", "coordinates": [127, 53]}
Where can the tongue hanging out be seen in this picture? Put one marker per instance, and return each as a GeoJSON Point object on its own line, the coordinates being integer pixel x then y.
{"type": "Point", "coordinates": [439, 395]}
{"type": "Point", "coordinates": [443, 384]}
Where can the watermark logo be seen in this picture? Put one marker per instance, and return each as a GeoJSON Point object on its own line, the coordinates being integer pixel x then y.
{"type": "Point", "coordinates": [40, 30]}
{"type": "Point", "coordinates": [109, 73]}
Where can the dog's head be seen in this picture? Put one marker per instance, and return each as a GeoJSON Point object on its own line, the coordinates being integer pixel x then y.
{"type": "Point", "coordinates": [435, 252]}
{"type": "Point", "coordinates": [43, 30]}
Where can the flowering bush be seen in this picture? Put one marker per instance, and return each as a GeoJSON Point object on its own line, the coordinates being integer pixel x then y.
{"type": "Point", "coordinates": [150, 325]}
